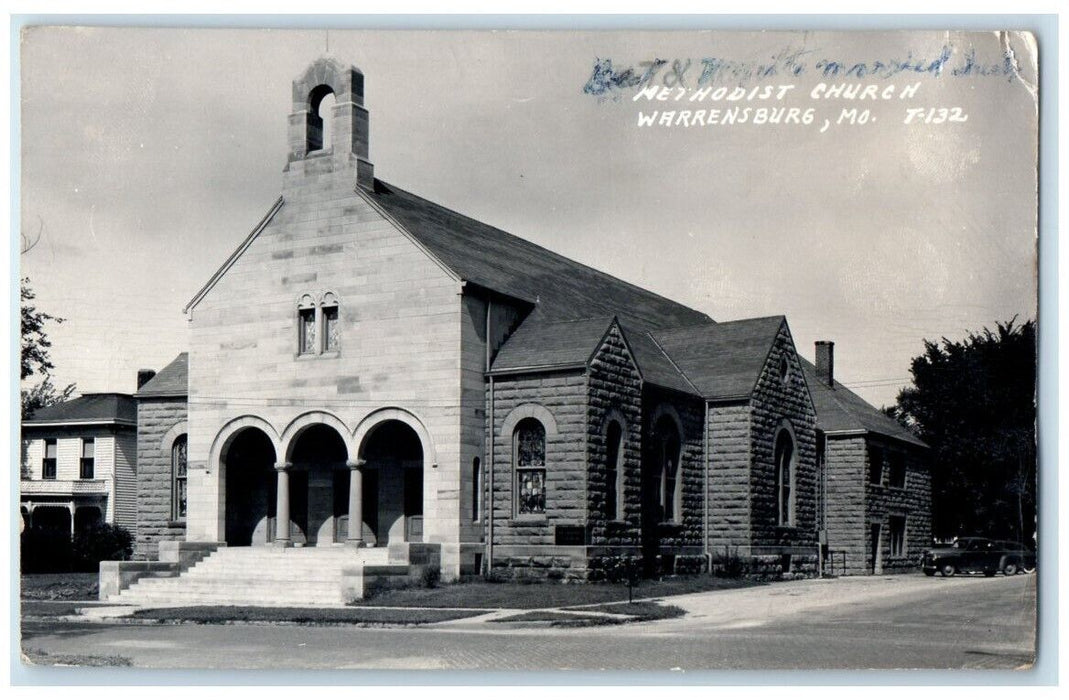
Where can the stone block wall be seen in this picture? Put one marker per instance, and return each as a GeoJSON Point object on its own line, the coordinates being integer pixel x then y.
{"type": "Point", "coordinates": [160, 421]}
{"type": "Point", "coordinates": [729, 479]}
{"type": "Point", "coordinates": [846, 466]}
{"type": "Point", "coordinates": [614, 393]}
{"type": "Point", "coordinates": [775, 402]}
{"type": "Point", "coordinates": [524, 545]}
{"type": "Point", "coordinates": [913, 502]}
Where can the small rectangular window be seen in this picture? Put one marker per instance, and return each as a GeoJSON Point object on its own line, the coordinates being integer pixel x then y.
{"type": "Point", "coordinates": [476, 490]}
{"type": "Point", "coordinates": [48, 464]}
{"type": "Point", "coordinates": [330, 328]}
{"type": "Point", "coordinates": [875, 465]}
{"type": "Point", "coordinates": [898, 535]}
{"type": "Point", "coordinates": [87, 465]}
{"type": "Point", "coordinates": [307, 330]}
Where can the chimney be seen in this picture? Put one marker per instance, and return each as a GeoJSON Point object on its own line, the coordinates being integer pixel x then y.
{"type": "Point", "coordinates": [144, 376]}
{"type": "Point", "coordinates": [826, 362]}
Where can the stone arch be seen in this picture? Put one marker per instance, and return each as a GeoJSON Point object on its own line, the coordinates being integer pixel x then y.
{"type": "Point", "coordinates": [529, 410]}
{"type": "Point", "coordinates": [304, 421]}
{"type": "Point", "coordinates": [666, 409]}
{"type": "Point", "coordinates": [382, 415]}
{"type": "Point", "coordinates": [171, 435]}
{"type": "Point", "coordinates": [615, 414]}
{"type": "Point", "coordinates": [227, 433]}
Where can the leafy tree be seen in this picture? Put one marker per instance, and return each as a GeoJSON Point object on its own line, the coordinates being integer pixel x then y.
{"type": "Point", "coordinates": [35, 356]}
{"type": "Point", "coordinates": [973, 402]}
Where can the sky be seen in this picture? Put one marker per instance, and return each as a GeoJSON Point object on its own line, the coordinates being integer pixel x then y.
{"type": "Point", "coordinates": [149, 154]}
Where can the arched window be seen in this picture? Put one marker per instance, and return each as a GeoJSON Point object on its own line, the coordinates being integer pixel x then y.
{"type": "Point", "coordinates": [320, 118]}
{"type": "Point", "coordinates": [529, 459]}
{"type": "Point", "coordinates": [329, 310]}
{"type": "Point", "coordinates": [306, 326]}
{"type": "Point", "coordinates": [614, 477]}
{"type": "Point", "coordinates": [667, 445]}
{"type": "Point", "coordinates": [318, 329]}
{"type": "Point", "coordinates": [784, 459]}
{"type": "Point", "coordinates": [178, 479]}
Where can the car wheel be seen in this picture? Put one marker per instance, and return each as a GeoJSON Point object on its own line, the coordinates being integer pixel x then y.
{"type": "Point", "coordinates": [1010, 569]}
{"type": "Point", "coordinates": [1028, 569]}
{"type": "Point", "coordinates": [947, 570]}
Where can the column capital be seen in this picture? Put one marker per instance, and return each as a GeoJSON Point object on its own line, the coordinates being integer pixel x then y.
{"type": "Point", "coordinates": [283, 466]}
{"type": "Point", "coordinates": [356, 463]}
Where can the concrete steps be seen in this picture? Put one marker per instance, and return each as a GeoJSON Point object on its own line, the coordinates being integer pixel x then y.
{"type": "Point", "coordinates": [263, 576]}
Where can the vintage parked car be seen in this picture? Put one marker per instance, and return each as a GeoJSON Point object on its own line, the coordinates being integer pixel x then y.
{"type": "Point", "coordinates": [979, 554]}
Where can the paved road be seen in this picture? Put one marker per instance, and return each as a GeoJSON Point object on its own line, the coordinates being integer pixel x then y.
{"type": "Point", "coordinates": [855, 623]}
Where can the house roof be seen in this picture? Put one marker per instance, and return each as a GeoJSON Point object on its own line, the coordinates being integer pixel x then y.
{"type": "Point", "coordinates": [654, 364]}
{"type": "Point", "coordinates": [841, 410]}
{"type": "Point", "coordinates": [172, 380]}
{"type": "Point", "coordinates": [562, 289]}
{"type": "Point", "coordinates": [88, 408]}
{"type": "Point", "coordinates": [723, 360]}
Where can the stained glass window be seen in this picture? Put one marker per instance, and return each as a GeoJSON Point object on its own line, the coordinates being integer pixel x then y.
{"type": "Point", "coordinates": [330, 327]}
{"type": "Point", "coordinates": [530, 459]}
{"type": "Point", "coordinates": [178, 479]}
{"type": "Point", "coordinates": [308, 331]}
{"type": "Point", "coordinates": [669, 445]}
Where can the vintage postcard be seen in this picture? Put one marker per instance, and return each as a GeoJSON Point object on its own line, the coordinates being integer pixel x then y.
{"type": "Point", "coordinates": [602, 351]}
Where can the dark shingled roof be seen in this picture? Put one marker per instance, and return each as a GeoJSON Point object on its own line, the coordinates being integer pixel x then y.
{"type": "Point", "coordinates": [840, 409]}
{"type": "Point", "coordinates": [723, 360]}
{"type": "Point", "coordinates": [654, 365]}
{"type": "Point", "coordinates": [489, 257]}
{"type": "Point", "coordinates": [541, 343]}
{"type": "Point", "coordinates": [172, 380]}
{"type": "Point", "coordinates": [89, 408]}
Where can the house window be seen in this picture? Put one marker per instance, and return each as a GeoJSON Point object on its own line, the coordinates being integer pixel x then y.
{"type": "Point", "coordinates": [898, 535]}
{"type": "Point", "coordinates": [667, 444]}
{"type": "Point", "coordinates": [896, 470]}
{"type": "Point", "coordinates": [614, 481]}
{"type": "Point", "coordinates": [529, 456]}
{"type": "Point", "coordinates": [875, 465]}
{"type": "Point", "coordinates": [87, 466]}
{"type": "Point", "coordinates": [48, 464]}
{"type": "Point", "coordinates": [784, 459]}
{"type": "Point", "coordinates": [476, 490]}
{"type": "Point", "coordinates": [178, 478]}
{"type": "Point", "coordinates": [318, 325]}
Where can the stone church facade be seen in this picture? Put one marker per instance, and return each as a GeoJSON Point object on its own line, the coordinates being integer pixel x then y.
{"type": "Point", "coordinates": [369, 369]}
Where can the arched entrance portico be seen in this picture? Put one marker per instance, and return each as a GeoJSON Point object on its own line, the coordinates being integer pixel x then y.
{"type": "Point", "coordinates": [318, 486]}
{"type": "Point", "coordinates": [247, 460]}
{"type": "Point", "coordinates": [392, 473]}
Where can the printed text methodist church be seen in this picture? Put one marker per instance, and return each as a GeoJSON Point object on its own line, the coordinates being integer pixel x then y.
{"type": "Point", "coordinates": [377, 383]}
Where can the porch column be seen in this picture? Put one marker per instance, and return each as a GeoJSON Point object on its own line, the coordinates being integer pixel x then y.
{"type": "Point", "coordinates": [355, 538]}
{"type": "Point", "coordinates": [282, 505]}
{"type": "Point", "coordinates": [70, 507]}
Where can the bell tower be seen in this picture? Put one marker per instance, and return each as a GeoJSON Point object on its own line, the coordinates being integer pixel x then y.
{"type": "Point", "coordinates": [344, 151]}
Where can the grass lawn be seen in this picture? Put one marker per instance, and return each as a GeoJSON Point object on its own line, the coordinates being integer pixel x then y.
{"type": "Point", "coordinates": [38, 657]}
{"type": "Point", "coordinates": [639, 612]}
{"type": "Point", "coordinates": [74, 586]}
{"type": "Point", "coordinates": [218, 614]}
{"type": "Point", "coordinates": [526, 596]}
{"type": "Point", "coordinates": [53, 608]}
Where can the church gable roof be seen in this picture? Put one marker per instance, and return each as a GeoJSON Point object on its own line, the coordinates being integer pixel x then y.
{"type": "Point", "coordinates": [723, 360]}
{"type": "Point", "coordinates": [841, 410]}
{"type": "Point", "coordinates": [562, 289]}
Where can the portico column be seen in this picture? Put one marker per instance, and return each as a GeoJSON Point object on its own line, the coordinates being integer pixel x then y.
{"type": "Point", "coordinates": [70, 507]}
{"type": "Point", "coordinates": [355, 538]}
{"type": "Point", "coordinates": [282, 505]}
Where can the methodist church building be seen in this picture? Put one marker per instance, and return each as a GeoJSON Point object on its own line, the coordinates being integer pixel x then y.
{"type": "Point", "coordinates": [378, 383]}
